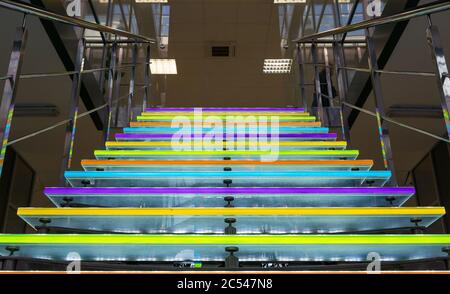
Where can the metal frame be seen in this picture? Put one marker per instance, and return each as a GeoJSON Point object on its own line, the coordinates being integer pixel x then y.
{"type": "Point", "coordinates": [146, 99]}
{"type": "Point", "coordinates": [10, 88]}
{"type": "Point", "coordinates": [442, 74]}
{"type": "Point", "coordinates": [318, 89]}
{"type": "Point", "coordinates": [66, 161]}
{"type": "Point", "coordinates": [423, 10]}
{"type": "Point", "coordinates": [134, 54]}
{"type": "Point", "coordinates": [383, 130]}
{"type": "Point", "coordinates": [342, 80]}
{"type": "Point", "coordinates": [301, 71]}
{"type": "Point", "coordinates": [112, 94]}
{"type": "Point", "coordinates": [441, 70]}
{"type": "Point", "coordinates": [32, 10]}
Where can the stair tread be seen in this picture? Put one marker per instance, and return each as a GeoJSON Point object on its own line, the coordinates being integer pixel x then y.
{"type": "Point", "coordinates": [248, 220]}
{"type": "Point", "coordinates": [243, 196]}
{"type": "Point", "coordinates": [140, 247]}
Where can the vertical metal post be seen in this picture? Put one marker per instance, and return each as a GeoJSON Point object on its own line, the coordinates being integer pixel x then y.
{"type": "Point", "coordinates": [66, 161]}
{"type": "Point", "coordinates": [147, 81]}
{"type": "Point", "coordinates": [336, 13]}
{"type": "Point", "coordinates": [328, 75]}
{"type": "Point", "coordinates": [132, 89]}
{"type": "Point", "coordinates": [342, 80]}
{"type": "Point", "coordinates": [318, 92]}
{"type": "Point", "coordinates": [10, 88]}
{"type": "Point", "coordinates": [383, 129]}
{"type": "Point", "coordinates": [111, 74]}
{"type": "Point", "coordinates": [313, 15]}
{"type": "Point", "coordinates": [301, 74]}
{"type": "Point", "coordinates": [117, 80]}
{"type": "Point", "coordinates": [109, 17]}
{"type": "Point", "coordinates": [441, 69]}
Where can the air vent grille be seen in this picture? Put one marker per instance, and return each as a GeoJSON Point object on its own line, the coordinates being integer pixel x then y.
{"type": "Point", "coordinates": [220, 51]}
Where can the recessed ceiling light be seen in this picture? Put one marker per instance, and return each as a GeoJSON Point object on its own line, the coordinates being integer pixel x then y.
{"type": "Point", "coordinates": [277, 66]}
{"type": "Point", "coordinates": [151, 1]}
{"type": "Point", "coordinates": [288, 1]}
{"type": "Point", "coordinates": [163, 66]}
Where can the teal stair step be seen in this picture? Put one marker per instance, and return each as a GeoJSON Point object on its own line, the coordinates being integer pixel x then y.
{"type": "Point", "coordinates": [223, 165]}
{"type": "Point", "coordinates": [126, 247]}
{"type": "Point", "coordinates": [228, 220]}
{"type": "Point", "coordinates": [220, 179]}
{"type": "Point", "coordinates": [281, 137]}
{"type": "Point", "coordinates": [227, 154]}
{"type": "Point", "coordinates": [230, 196]}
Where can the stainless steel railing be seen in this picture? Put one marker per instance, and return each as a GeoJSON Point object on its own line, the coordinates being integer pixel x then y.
{"type": "Point", "coordinates": [337, 38]}
{"type": "Point", "coordinates": [31, 10]}
{"type": "Point", "coordinates": [116, 38]}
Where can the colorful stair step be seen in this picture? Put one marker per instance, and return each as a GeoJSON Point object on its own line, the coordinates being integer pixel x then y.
{"type": "Point", "coordinates": [294, 117]}
{"type": "Point", "coordinates": [242, 220]}
{"type": "Point", "coordinates": [233, 196]}
{"type": "Point", "coordinates": [226, 109]}
{"type": "Point", "coordinates": [166, 145]}
{"type": "Point", "coordinates": [228, 114]}
{"type": "Point", "coordinates": [281, 124]}
{"type": "Point", "coordinates": [282, 137]}
{"type": "Point", "coordinates": [224, 114]}
{"type": "Point", "coordinates": [227, 154]}
{"type": "Point", "coordinates": [252, 130]}
{"type": "Point", "coordinates": [136, 247]}
{"type": "Point", "coordinates": [221, 165]}
{"type": "Point", "coordinates": [219, 179]}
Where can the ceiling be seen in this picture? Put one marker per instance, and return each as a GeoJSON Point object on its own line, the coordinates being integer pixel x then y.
{"type": "Point", "coordinates": [252, 26]}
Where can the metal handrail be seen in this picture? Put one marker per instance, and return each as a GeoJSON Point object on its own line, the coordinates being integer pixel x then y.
{"type": "Point", "coordinates": [390, 120]}
{"type": "Point", "coordinates": [406, 15]}
{"type": "Point", "coordinates": [66, 121]}
{"type": "Point", "coordinates": [371, 113]}
{"type": "Point", "coordinates": [32, 10]}
{"type": "Point", "coordinates": [68, 73]}
{"type": "Point", "coordinates": [381, 71]}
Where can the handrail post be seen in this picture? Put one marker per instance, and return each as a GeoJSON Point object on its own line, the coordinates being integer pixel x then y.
{"type": "Point", "coordinates": [301, 74]}
{"type": "Point", "coordinates": [117, 80]}
{"type": "Point", "coordinates": [383, 129]}
{"type": "Point", "coordinates": [328, 75]}
{"type": "Point", "coordinates": [318, 92]}
{"type": "Point", "coordinates": [66, 161]}
{"type": "Point", "coordinates": [441, 69]}
{"type": "Point", "coordinates": [111, 73]}
{"type": "Point", "coordinates": [132, 87]}
{"type": "Point", "coordinates": [147, 77]}
{"type": "Point", "coordinates": [342, 80]}
{"type": "Point", "coordinates": [109, 17]}
{"type": "Point", "coordinates": [10, 87]}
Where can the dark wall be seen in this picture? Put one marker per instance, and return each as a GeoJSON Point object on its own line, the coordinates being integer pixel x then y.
{"type": "Point", "coordinates": [16, 188]}
{"type": "Point", "coordinates": [432, 182]}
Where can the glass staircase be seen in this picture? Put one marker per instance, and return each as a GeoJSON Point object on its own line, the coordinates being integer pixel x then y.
{"type": "Point", "coordinates": [142, 201]}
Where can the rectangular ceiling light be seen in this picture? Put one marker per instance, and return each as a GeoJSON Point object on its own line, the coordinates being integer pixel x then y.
{"type": "Point", "coordinates": [277, 66]}
{"type": "Point", "coordinates": [163, 66]}
{"type": "Point", "coordinates": [151, 1]}
{"type": "Point", "coordinates": [288, 1]}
